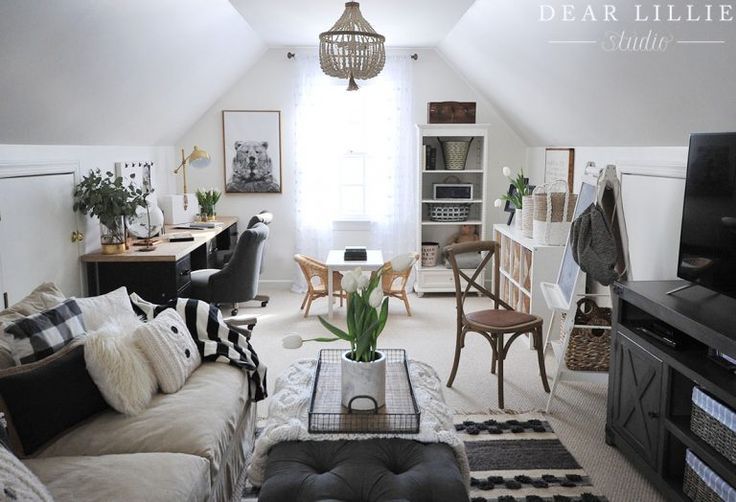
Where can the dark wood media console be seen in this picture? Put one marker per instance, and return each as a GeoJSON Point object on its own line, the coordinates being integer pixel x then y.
{"type": "Point", "coordinates": [651, 382]}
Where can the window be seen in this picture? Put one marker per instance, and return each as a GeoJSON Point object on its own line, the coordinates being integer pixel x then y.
{"type": "Point", "coordinates": [354, 155]}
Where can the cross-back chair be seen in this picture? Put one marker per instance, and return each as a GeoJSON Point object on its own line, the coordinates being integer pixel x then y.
{"type": "Point", "coordinates": [493, 324]}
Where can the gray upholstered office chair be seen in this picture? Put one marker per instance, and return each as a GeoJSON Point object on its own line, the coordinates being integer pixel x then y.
{"type": "Point", "coordinates": [238, 280]}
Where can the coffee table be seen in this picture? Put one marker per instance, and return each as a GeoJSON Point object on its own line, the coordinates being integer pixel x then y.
{"type": "Point", "coordinates": [336, 261]}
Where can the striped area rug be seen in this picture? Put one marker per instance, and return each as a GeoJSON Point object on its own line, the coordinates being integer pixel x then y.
{"type": "Point", "coordinates": [517, 457]}
{"type": "Point", "coordinates": [514, 458]}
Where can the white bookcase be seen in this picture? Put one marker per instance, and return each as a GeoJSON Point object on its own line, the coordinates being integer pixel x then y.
{"type": "Point", "coordinates": [524, 265]}
{"type": "Point", "coordinates": [438, 279]}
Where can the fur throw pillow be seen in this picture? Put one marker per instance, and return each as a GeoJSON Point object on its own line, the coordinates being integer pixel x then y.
{"type": "Point", "coordinates": [170, 348]}
{"type": "Point", "coordinates": [118, 367]}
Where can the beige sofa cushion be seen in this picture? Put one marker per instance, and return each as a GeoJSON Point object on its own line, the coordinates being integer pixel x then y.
{"type": "Point", "coordinates": [44, 297]}
{"type": "Point", "coordinates": [200, 420]}
{"type": "Point", "coordinates": [153, 477]}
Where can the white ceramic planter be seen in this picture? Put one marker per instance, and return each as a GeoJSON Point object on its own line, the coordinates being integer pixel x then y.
{"type": "Point", "coordinates": [363, 379]}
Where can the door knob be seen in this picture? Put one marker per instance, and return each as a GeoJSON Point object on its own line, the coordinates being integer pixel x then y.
{"type": "Point", "coordinates": [77, 236]}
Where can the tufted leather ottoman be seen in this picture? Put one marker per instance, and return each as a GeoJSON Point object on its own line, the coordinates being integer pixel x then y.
{"type": "Point", "coordinates": [362, 471]}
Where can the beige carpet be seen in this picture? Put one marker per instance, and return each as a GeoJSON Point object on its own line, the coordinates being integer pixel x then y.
{"type": "Point", "coordinates": [578, 412]}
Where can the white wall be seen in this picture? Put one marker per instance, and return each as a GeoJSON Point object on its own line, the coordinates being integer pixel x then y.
{"type": "Point", "coordinates": [92, 157]}
{"type": "Point", "coordinates": [602, 156]}
{"type": "Point", "coordinates": [270, 85]}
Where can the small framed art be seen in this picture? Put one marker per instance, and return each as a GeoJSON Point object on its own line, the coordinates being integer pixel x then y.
{"type": "Point", "coordinates": [559, 164]}
{"type": "Point", "coordinates": [252, 146]}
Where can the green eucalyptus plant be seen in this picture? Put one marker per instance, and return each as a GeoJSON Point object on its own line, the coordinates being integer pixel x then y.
{"type": "Point", "coordinates": [109, 199]}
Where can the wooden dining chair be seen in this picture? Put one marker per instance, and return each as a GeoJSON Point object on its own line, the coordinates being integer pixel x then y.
{"type": "Point", "coordinates": [495, 323]}
{"type": "Point", "coordinates": [394, 283]}
{"type": "Point", "coordinates": [315, 273]}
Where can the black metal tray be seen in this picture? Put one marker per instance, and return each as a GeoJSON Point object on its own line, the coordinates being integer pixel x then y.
{"type": "Point", "coordinates": [328, 415]}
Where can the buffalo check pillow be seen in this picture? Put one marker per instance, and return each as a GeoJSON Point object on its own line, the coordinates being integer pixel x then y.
{"type": "Point", "coordinates": [40, 335]}
{"type": "Point", "coordinates": [215, 341]}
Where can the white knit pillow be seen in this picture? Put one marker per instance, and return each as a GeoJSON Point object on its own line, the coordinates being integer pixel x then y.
{"type": "Point", "coordinates": [170, 349]}
{"type": "Point", "coordinates": [118, 367]}
{"type": "Point", "coordinates": [18, 483]}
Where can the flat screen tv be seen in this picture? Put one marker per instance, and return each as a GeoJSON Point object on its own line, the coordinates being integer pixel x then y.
{"type": "Point", "coordinates": [708, 237]}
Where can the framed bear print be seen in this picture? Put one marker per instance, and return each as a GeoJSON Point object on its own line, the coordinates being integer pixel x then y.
{"type": "Point", "coordinates": [252, 145]}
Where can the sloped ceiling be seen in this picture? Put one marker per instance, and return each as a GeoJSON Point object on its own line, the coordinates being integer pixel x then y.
{"type": "Point", "coordinates": [116, 72]}
{"type": "Point", "coordinates": [404, 23]}
{"type": "Point", "coordinates": [579, 93]}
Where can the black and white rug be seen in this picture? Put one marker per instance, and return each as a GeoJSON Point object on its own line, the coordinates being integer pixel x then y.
{"type": "Point", "coordinates": [519, 458]}
{"type": "Point", "coordinates": [514, 458]}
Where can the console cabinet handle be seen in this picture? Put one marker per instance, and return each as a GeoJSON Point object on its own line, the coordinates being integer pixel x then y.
{"type": "Point", "coordinates": [186, 272]}
{"type": "Point", "coordinates": [653, 414]}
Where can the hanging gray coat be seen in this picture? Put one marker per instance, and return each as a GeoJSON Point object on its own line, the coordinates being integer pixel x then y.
{"type": "Point", "coordinates": [594, 246]}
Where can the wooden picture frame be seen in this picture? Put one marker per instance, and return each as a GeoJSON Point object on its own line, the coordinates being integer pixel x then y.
{"type": "Point", "coordinates": [251, 142]}
{"type": "Point", "coordinates": [559, 164]}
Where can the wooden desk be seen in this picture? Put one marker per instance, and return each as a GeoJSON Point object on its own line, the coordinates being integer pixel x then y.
{"type": "Point", "coordinates": [164, 273]}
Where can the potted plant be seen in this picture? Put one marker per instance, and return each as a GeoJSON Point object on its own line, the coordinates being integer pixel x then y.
{"type": "Point", "coordinates": [112, 202]}
{"type": "Point", "coordinates": [515, 196]}
{"type": "Point", "coordinates": [208, 199]}
{"type": "Point", "coordinates": [363, 380]}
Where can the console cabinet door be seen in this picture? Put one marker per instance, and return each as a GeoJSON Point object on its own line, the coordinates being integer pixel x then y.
{"type": "Point", "coordinates": [636, 413]}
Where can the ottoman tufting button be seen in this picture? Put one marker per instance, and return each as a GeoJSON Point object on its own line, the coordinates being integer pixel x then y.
{"type": "Point", "coordinates": [174, 329]}
{"type": "Point", "coordinates": [187, 353]}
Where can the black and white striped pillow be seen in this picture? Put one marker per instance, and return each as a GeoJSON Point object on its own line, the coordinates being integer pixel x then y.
{"type": "Point", "coordinates": [40, 335]}
{"type": "Point", "coordinates": [214, 339]}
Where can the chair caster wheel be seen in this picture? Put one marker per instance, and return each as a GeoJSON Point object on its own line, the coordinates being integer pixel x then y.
{"type": "Point", "coordinates": [234, 312]}
{"type": "Point", "coordinates": [251, 326]}
{"type": "Point", "coordinates": [263, 304]}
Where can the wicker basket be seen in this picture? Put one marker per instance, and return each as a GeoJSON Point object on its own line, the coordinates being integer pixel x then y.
{"type": "Point", "coordinates": [527, 216]}
{"type": "Point", "coordinates": [455, 153]}
{"type": "Point", "coordinates": [430, 253]}
{"type": "Point", "coordinates": [449, 211]}
{"type": "Point", "coordinates": [710, 429]}
{"type": "Point", "coordinates": [554, 207]}
{"type": "Point", "coordinates": [589, 349]}
{"type": "Point", "coordinates": [697, 488]}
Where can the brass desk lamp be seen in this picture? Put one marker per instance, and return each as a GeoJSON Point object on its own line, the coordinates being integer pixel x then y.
{"type": "Point", "coordinates": [198, 158]}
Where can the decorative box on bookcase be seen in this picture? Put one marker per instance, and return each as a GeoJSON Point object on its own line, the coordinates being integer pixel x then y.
{"type": "Point", "coordinates": [433, 171]}
{"type": "Point", "coordinates": [524, 265]}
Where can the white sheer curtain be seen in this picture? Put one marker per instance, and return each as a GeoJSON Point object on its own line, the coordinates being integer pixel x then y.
{"type": "Point", "coordinates": [324, 128]}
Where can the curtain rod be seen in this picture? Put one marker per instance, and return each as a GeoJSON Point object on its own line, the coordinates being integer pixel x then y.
{"type": "Point", "coordinates": [291, 55]}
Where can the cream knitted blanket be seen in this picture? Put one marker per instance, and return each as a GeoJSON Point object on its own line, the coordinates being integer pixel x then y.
{"type": "Point", "coordinates": [289, 407]}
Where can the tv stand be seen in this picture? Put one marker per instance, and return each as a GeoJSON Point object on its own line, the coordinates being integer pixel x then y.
{"type": "Point", "coordinates": [681, 288]}
{"type": "Point", "coordinates": [651, 382]}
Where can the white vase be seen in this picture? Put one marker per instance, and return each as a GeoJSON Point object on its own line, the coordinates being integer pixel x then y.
{"type": "Point", "coordinates": [360, 379]}
{"type": "Point", "coordinates": [518, 215]}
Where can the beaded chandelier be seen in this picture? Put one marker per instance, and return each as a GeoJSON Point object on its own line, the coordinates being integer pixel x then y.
{"type": "Point", "coordinates": [351, 48]}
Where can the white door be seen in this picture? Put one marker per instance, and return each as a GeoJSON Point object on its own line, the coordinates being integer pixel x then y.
{"type": "Point", "coordinates": [36, 225]}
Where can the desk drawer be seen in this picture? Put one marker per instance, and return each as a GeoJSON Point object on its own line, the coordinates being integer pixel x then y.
{"type": "Point", "coordinates": [183, 271]}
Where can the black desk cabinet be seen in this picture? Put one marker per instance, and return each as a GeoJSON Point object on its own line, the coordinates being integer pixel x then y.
{"type": "Point", "coordinates": [159, 280]}
{"type": "Point", "coordinates": [651, 383]}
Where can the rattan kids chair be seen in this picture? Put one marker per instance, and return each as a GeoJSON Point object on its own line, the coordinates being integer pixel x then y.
{"type": "Point", "coordinates": [394, 283]}
{"type": "Point", "coordinates": [314, 269]}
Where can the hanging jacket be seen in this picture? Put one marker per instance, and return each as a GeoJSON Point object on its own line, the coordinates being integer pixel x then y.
{"type": "Point", "coordinates": [593, 245]}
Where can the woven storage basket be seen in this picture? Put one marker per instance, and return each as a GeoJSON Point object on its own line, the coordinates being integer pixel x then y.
{"type": "Point", "coordinates": [589, 349]}
{"type": "Point", "coordinates": [527, 226]}
{"type": "Point", "coordinates": [697, 488]}
{"type": "Point", "coordinates": [455, 153]}
{"type": "Point", "coordinates": [430, 253]}
{"type": "Point", "coordinates": [554, 207]}
{"type": "Point", "coordinates": [704, 424]}
{"type": "Point", "coordinates": [449, 211]}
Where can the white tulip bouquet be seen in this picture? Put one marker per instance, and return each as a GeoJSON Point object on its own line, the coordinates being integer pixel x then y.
{"type": "Point", "coordinates": [367, 311]}
{"type": "Point", "coordinates": [521, 184]}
